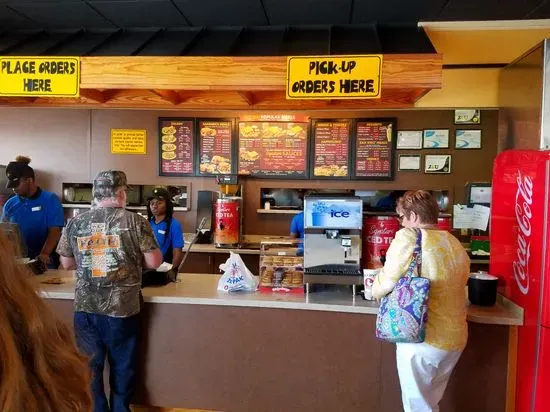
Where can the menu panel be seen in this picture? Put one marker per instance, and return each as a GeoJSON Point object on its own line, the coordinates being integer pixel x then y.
{"type": "Point", "coordinates": [176, 147]}
{"type": "Point", "coordinates": [374, 143]}
{"type": "Point", "coordinates": [273, 149]}
{"type": "Point", "coordinates": [331, 149]}
{"type": "Point", "coordinates": [215, 146]}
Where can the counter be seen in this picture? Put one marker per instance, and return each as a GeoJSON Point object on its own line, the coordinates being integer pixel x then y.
{"type": "Point", "coordinates": [200, 289]}
{"type": "Point", "coordinates": [201, 349]}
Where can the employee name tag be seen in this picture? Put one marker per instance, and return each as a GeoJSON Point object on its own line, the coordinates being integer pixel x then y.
{"type": "Point", "coordinates": [37, 209]}
{"type": "Point", "coordinates": [162, 232]}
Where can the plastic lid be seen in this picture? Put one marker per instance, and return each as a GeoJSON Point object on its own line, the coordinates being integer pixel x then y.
{"type": "Point", "coordinates": [482, 276]}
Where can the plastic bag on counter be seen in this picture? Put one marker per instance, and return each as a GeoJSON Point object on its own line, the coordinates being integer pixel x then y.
{"type": "Point", "coordinates": [236, 275]}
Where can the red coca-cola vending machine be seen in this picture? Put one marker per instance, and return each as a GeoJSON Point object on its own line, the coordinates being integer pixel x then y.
{"type": "Point", "coordinates": [520, 257]}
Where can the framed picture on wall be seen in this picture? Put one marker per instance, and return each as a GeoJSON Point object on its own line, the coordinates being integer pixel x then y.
{"type": "Point", "coordinates": [437, 164]}
{"type": "Point", "coordinates": [409, 139]}
{"type": "Point", "coordinates": [436, 139]}
{"type": "Point", "coordinates": [467, 116]}
{"type": "Point", "coordinates": [468, 139]}
{"type": "Point", "coordinates": [409, 162]}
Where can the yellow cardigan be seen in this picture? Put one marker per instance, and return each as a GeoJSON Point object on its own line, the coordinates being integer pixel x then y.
{"type": "Point", "coordinates": [447, 265]}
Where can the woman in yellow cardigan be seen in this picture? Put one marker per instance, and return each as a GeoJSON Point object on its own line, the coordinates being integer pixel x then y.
{"type": "Point", "coordinates": [424, 368]}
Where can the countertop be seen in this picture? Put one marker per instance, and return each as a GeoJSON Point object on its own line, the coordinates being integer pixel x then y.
{"type": "Point", "coordinates": [256, 239]}
{"type": "Point", "coordinates": [200, 289]}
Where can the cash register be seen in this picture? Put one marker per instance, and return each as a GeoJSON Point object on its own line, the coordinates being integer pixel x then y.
{"type": "Point", "coordinates": [332, 240]}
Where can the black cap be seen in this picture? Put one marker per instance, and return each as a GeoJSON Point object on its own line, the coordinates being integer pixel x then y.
{"type": "Point", "coordinates": [17, 170]}
{"type": "Point", "coordinates": [160, 192]}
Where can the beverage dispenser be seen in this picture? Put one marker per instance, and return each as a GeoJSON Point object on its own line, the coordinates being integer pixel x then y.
{"type": "Point", "coordinates": [332, 240]}
{"type": "Point", "coordinates": [228, 213]}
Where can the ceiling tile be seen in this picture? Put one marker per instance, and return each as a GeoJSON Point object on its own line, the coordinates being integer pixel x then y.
{"type": "Point", "coordinates": [62, 15]}
{"type": "Point", "coordinates": [41, 43]}
{"type": "Point", "coordinates": [459, 10]}
{"type": "Point", "coordinates": [125, 43]}
{"type": "Point", "coordinates": [12, 39]}
{"type": "Point", "coordinates": [355, 40]}
{"type": "Point", "coordinates": [305, 41]}
{"type": "Point", "coordinates": [367, 11]}
{"type": "Point", "coordinates": [11, 19]}
{"type": "Point", "coordinates": [542, 12]}
{"type": "Point", "coordinates": [260, 41]}
{"type": "Point", "coordinates": [222, 12]}
{"type": "Point", "coordinates": [302, 12]}
{"type": "Point", "coordinates": [215, 42]}
{"type": "Point", "coordinates": [83, 44]}
{"type": "Point", "coordinates": [170, 42]}
{"type": "Point", "coordinates": [149, 13]}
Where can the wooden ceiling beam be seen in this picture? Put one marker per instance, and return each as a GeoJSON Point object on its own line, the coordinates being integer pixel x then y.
{"type": "Point", "coordinates": [168, 95]}
{"type": "Point", "coordinates": [94, 95]}
{"type": "Point", "coordinates": [248, 97]}
{"type": "Point", "coordinates": [249, 74]}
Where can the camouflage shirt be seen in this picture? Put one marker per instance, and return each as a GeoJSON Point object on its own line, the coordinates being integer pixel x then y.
{"type": "Point", "coordinates": [108, 245]}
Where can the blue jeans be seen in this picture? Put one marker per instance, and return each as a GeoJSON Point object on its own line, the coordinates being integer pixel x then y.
{"type": "Point", "coordinates": [116, 339]}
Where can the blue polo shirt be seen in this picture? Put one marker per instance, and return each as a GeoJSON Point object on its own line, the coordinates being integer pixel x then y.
{"type": "Point", "coordinates": [297, 225]}
{"type": "Point", "coordinates": [34, 216]}
{"type": "Point", "coordinates": [175, 239]}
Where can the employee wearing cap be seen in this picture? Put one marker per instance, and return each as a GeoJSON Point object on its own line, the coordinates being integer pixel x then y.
{"type": "Point", "coordinates": [38, 213]}
{"type": "Point", "coordinates": [167, 230]}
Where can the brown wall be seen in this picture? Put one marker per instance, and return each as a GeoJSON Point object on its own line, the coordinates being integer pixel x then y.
{"type": "Point", "coordinates": [74, 144]}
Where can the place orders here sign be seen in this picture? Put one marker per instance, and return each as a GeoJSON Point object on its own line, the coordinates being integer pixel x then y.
{"type": "Point", "coordinates": [40, 76]}
{"type": "Point", "coordinates": [334, 77]}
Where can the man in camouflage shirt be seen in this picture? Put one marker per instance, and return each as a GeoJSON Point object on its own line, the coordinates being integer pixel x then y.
{"type": "Point", "coordinates": [108, 246]}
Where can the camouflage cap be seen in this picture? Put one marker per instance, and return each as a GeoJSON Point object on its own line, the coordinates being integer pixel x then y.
{"type": "Point", "coordinates": [108, 182]}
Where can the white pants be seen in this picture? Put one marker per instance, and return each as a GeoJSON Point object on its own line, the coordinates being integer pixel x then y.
{"type": "Point", "coordinates": [424, 371]}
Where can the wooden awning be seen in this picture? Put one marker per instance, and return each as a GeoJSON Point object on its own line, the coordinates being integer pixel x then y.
{"type": "Point", "coordinates": [244, 83]}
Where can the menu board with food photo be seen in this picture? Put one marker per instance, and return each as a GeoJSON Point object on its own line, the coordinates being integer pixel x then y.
{"type": "Point", "coordinates": [215, 146]}
{"type": "Point", "coordinates": [374, 149]}
{"type": "Point", "coordinates": [176, 147]}
{"type": "Point", "coordinates": [331, 148]}
{"type": "Point", "coordinates": [273, 149]}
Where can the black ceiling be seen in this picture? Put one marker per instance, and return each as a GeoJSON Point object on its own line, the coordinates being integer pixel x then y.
{"type": "Point", "coordinates": [237, 27]}
{"type": "Point", "coordinates": [125, 14]}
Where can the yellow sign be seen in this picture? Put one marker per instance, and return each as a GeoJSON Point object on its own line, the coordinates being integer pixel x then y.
{"type": "Point", "coordinates": [128, 141]}
{"type": "Point", "coordinates": [40, 76]}
{"type": "Point", "coordinates": [334, 77]}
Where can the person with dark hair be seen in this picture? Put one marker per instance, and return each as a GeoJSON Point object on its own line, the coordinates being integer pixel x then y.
{"type": "Point", "coordinates": [109, 247]}
{"type": "Point", "coordinates": [167, 230]}
{"type": "Point", "coordinates": [37, 213]}
{"type": "Point", "coordinates": [424, 368]}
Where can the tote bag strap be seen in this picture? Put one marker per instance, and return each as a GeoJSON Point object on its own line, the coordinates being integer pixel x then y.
{"type": "Point", "coordinates": [416, 260]}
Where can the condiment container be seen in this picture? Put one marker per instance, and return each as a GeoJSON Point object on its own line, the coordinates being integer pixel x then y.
{"type": "Point", "coordinates": [482, 289]}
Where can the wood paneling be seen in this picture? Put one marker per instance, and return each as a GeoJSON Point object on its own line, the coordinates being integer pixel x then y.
{"type": "Point", "coordinates": [236, 73]}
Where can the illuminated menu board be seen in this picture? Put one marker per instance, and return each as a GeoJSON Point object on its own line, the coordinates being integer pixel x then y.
{"type": "Point", "coordinates": [273, 149]}
{"type": "Point", "coordinates": [176, 148]}
{"type": "Point", "coordinates": [374, 149]}
{"type": "Point", "coordinates": [331, 149]}
{"type": "Point", "coordinates": [215, 146]}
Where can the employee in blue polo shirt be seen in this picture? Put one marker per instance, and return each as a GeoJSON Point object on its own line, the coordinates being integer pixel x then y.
{"type": "Point", "coordinates": [167, 230]}
{"type": "Point", "coordinates": [38, 213]}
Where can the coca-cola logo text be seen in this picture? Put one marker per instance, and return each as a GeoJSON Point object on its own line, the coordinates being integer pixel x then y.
{"type": "Point", "coordinates": [524, 200]}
